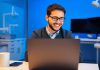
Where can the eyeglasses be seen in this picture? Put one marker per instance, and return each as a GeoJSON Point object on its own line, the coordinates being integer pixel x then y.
{"type": "Point", "coordinates": [55, 18]}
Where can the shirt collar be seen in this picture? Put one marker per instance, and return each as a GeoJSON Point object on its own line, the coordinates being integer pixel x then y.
{"type": "Point", "coordinates": [52, 35]}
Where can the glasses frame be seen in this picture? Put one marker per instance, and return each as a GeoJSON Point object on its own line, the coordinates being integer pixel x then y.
{"type": "Point", "coordinates": [55, 18]}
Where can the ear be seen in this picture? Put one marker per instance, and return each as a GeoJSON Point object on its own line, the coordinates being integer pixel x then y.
{"type": "Point", "coordinates": [46, 17]}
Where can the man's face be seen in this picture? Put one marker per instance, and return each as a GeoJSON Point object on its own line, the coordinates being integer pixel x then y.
{"type": "Point", "coordinates": [55, 20]}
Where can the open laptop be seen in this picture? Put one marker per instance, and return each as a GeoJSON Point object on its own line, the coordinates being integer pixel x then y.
{"type": "Point", "coordinates": [53, 54]}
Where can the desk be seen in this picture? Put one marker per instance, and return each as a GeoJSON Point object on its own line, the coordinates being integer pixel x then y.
{"type": "Point", "coordinates": [81, 66]}
{"type": "Point", "coordinates": [89, 41]}
{"type": "Point", "coordinates": [97, 45]}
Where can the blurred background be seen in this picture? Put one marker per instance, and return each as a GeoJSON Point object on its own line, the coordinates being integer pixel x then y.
{"type": "Point", "coordinates": [82, 18]}
{"type": "Point", "coordinates": [13, 28]}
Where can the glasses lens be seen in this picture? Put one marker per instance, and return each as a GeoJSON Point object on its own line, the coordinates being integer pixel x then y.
{"type": "Point", "coordinates": [55, 18]}
{"type": "Point", "coordinates": [61, 18]}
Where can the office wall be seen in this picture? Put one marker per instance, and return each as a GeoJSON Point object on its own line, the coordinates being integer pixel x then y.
{"type": "Point", "coordinates": [13, 28]}
{"type": "Point", "coordinates": [74, 8]}
{"type": "Point", "coordinates": [16, 22]}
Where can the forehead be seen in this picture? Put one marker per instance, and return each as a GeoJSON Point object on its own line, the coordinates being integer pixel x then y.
{"type": "Point", "coordinates": [58, 13]}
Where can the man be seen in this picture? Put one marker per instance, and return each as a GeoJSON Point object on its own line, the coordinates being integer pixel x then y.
{"type": "Point", "coordinates": [55, 18]}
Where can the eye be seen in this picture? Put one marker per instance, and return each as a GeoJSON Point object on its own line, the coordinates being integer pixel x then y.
{"type": "Point", "coordinates": [62, 18]}
{"type": "Point", "coordinates": [54, 17]}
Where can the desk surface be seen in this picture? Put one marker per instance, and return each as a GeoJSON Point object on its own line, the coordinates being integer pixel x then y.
{"type": "Point", "coordinates": [86, 39]}
{"type": "Point", "coordinates": [81, 66]}
{"type": "Point", "coordinates": [89, 41]}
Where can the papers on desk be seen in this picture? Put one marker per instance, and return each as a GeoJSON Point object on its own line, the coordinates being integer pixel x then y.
{"type": "Point", "coordinates": [23, 66]}
{"type": "Point", "coordinates": [81, 66]}
{"type": "Point", "coordinates": [88, 66]}
{"type": "Point", "coordinates": [11, 68]}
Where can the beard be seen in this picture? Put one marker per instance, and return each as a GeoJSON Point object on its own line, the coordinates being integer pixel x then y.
{"type": "Point", "coordinates": [52, 28]}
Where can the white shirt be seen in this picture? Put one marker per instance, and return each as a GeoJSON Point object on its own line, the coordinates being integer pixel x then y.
{"type": "Point", "coordinates": [52, 35]}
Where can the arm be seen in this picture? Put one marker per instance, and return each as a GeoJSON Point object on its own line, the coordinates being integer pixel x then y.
{"type": "Point", "coordinates": [67, 34]}
{"type": "Point", "coordinates": [36, 34]}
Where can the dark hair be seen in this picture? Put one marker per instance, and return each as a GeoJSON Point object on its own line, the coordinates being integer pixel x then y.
{"type": "Point", "coordinates": [55, 7]}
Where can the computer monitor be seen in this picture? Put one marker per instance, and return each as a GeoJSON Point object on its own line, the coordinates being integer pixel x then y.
{"type": "Point", "coordinates": [89, 25]}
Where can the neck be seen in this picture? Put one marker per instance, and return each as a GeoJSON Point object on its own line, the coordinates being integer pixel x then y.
{"type": "Point", "coordinates": [51, 31]}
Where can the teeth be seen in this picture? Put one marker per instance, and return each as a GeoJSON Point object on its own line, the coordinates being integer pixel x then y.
{"type": "Point", "coordinates": [56, 25]}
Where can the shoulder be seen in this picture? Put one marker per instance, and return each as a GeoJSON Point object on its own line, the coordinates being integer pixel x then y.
{"type": "Point", "coordinates": [37, 33]}
{"type": "Point", "coordinates": [67, 34]}
{"type": "Point", "coordinates": [66, 31]}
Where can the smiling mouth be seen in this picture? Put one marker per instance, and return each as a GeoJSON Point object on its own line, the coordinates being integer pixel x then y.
{"type": "Point", "coordinates": [57, 25]}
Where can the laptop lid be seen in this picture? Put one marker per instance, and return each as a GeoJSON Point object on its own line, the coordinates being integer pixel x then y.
{"type": "Point", "coordinates": [50, 54]}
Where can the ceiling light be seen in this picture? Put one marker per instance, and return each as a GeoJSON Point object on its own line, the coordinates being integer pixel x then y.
{"type": "Point", "coordinates": [96, 3]}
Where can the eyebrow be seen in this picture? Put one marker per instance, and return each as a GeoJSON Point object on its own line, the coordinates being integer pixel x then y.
{"type": "Point", "coordinates": [57, 16]}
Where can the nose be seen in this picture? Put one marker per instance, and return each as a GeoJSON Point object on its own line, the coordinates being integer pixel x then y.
{"type": "Point", "coordinates": [58, 21]}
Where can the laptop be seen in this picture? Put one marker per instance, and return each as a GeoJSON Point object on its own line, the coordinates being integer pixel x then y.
{"type": "Point", "coordinates": [53, 54]}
